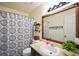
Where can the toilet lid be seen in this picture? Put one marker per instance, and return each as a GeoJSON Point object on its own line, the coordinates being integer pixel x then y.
{"type": "Point", "coordinates": [27, 50]}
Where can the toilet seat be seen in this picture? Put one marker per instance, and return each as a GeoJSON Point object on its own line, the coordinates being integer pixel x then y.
{"type": "Point", "coordinates": [27, 52]}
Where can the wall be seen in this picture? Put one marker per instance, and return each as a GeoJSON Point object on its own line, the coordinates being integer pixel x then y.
{"type": "Point", "coordinates": [3, 8]}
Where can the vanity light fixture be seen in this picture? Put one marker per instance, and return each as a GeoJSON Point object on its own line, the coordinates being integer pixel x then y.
{"type": "Point", "coordinates": [57, 5]}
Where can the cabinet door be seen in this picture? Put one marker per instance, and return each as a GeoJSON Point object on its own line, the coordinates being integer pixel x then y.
{"type": "Point", "coordinates": [70, 25]}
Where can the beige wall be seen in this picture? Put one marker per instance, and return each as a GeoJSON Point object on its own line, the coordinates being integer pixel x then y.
{"type": "Point", "coordinates": [37, 14]}
{"type": "Point", "coordinates": [3, 8]}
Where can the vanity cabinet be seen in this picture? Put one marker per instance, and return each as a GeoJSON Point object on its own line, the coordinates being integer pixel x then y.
{"type": "Point", "coordinates": [34, 52]}
{"type": "Point", "coordinates": [61, 25]}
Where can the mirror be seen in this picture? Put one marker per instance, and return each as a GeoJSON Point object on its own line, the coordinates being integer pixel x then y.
{"type": "Point", "coordinates": [60, 26]}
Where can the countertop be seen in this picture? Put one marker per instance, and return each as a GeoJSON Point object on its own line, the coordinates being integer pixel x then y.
{"type": "Point", "coordinates": [36, 47]}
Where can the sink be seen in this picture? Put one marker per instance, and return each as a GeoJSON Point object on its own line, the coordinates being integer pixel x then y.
{"type": "Point", "coordinates": [49, 50]}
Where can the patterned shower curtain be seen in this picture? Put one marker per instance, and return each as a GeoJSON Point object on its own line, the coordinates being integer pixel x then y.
{"type": "Point", "coordinates": [15, 33]}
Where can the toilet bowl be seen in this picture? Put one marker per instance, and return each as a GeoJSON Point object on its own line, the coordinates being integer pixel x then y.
{"type": "Point", "coordinates": [27, 52]}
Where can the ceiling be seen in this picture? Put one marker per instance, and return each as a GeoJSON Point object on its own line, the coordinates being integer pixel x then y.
{"type": "Point", "coordinates": [22, 6]}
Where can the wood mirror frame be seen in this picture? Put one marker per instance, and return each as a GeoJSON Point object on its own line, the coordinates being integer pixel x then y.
{"type": "Point", "coordinates": [76, 6]}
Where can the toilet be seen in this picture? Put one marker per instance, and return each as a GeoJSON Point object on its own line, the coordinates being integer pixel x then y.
{"type": "Point", "coordinates": [27, 52]}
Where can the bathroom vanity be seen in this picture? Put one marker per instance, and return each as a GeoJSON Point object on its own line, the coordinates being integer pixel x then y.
{"type": "Point", "coordinates": [42, 49]}
{"type": "Point", "coordinates": [34, 52]}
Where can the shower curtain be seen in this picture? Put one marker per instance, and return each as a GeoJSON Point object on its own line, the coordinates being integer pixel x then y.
{"type": "Point", "coordinates": [15, 33]}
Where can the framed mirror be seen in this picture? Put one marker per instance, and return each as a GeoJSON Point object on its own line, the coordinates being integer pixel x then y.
{"type": "Point", "coordinates": [61, 25]}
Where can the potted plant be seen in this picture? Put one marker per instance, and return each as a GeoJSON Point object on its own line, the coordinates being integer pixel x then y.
{"type": "Point", "coordinates": [70, 46]}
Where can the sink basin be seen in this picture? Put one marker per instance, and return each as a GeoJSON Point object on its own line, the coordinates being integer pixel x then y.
{"type": "Point", "coordinates": [49, 50]}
